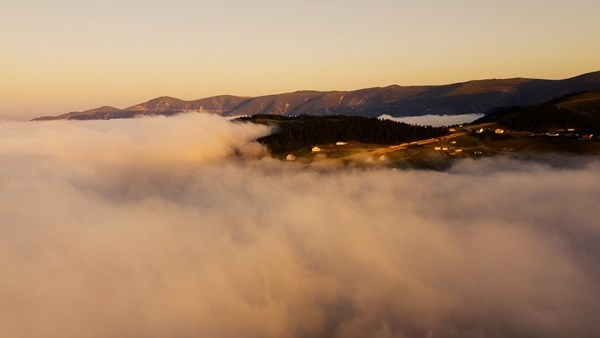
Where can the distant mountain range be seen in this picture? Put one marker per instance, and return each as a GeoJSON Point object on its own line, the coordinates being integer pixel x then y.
{"type": "Point", "coordinates": [478, 96]}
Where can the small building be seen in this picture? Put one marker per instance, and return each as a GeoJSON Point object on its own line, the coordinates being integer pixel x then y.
{"type": "Point", "coordinates": [315, 149]}
{"type": "Point", "coordinates": [499, 131]}
{"type": "Point", "coordinates": [290, 157]}
{"type": "Point", "coordinates": [459, 150]}
{"type": "Point", "coordinates": [382, 158]}
{"type": "Point", "coordinates": [438, 148]}
{"type": "Point", "coordinates": [479, 131]}
{"type": "Point", "coordinates": [452, 130]}
{"type": "Point", "coordinates": [339, 143]}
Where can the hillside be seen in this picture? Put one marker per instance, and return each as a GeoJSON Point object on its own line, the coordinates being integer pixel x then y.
{"type": "Point", "coordinates": [101, 113]}
{"type": "Point", "coordinates": [479, 96]}
{"type": "Point", "coordinates": [579, 111]}
{"type": "Point", "coordinates": [305, 131]}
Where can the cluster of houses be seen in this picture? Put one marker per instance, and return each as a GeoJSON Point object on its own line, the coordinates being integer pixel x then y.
{"type": "Point", "coordinates": [498, 131]}
{"type": "Point", "coordinates": [567, 133]}
{"type": "Point", "coordinates": [571, 133]}
{"type": "Point", "coordinates": [315, 149]}
{"type": "Point", "coordinates": [450, 150]}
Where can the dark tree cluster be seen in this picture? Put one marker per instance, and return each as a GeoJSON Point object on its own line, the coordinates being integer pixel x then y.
{"type": "Point", "coordinates": [303, 131]}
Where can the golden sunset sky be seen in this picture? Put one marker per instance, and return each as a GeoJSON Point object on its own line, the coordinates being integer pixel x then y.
{"type": "Point", "coordinates": [66, 55]}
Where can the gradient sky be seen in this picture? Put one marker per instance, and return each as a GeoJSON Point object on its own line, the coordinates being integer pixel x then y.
{"type": "Point", "coordinates": [65, 55]}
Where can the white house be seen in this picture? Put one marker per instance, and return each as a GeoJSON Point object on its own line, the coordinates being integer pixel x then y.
{"type": "Point", "coordinates": [315, 149]}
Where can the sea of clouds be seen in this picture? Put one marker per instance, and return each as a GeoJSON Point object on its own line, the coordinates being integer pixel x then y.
{"type": "Point", "coordinates": [183, 227]}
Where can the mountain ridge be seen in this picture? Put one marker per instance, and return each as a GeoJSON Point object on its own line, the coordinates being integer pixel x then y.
{"type": "Point", "coordinates": [475, 96]}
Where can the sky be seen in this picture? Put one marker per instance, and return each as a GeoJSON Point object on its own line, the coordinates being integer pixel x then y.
{"type": "Point", "coordinates": [66, 55]}
{"type": "Point", "coordinates": [161, 231]}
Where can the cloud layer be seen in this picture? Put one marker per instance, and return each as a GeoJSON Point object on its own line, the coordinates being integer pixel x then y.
{"type": "Point", "coordinates": [153, 228]}
{"type": "Point", "coordinates": [434, 120]}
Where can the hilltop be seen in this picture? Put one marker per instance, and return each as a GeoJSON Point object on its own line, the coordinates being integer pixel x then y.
{"type": "Point", "coordinates": [478, 96]}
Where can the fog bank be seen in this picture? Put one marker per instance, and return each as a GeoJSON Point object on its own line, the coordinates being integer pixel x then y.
{"type": "Point", "coordinates": [434, 120]}
{"type": "Point", "coordinates": [153, 228]}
